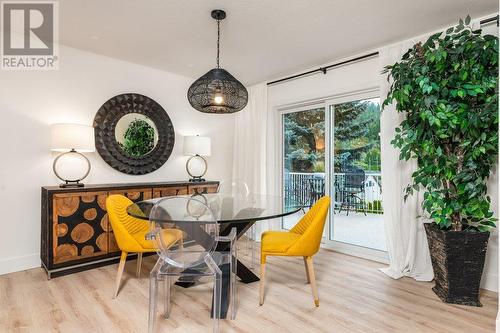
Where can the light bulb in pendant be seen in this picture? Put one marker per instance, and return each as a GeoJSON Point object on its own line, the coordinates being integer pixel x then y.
{"type": "Point", "coordinates": [218, 99]}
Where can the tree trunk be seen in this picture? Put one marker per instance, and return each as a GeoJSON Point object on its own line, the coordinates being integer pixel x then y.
{"type": "Point", "coordinates": [456, 223]}
{"type": "Point", "coordinates": [456, 220]}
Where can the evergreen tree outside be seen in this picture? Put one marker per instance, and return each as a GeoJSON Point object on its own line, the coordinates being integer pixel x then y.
{"type": "Point", "coordinates": [305, 141]}
{"type": "Point", "coordinates": [356, 131]}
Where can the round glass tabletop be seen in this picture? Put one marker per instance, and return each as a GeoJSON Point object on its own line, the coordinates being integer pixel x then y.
{"type": "Point", "coordinates": [225, 208]}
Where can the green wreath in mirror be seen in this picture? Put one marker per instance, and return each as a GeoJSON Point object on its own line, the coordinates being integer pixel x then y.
{"type": "Point", "coordinates": [139, 138]}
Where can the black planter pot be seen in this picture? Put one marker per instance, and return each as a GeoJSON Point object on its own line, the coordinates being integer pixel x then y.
{"type": "Point", "coordinates": [458, 262]}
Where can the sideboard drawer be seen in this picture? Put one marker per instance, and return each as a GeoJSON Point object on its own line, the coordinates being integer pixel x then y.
{"type": "Point", "coordinates": [135, 195]}
{"type": "Point", "coordinates": [202, 189]}
{"type": "Point", "coordinates": [169, 191]}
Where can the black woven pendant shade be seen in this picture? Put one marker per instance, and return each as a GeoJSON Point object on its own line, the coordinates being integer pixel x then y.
{"type": "Point", "coordinates": [217, 82]}
{"type": "Point", "coordinates": [217, 91]}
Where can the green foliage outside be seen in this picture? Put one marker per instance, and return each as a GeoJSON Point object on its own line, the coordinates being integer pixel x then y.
{"type": "Point", "coordinates": [357, 142]}
{"type": "Point", "coordinates": [372, 207]}
{"type": "Point", "coordinates": [139, 138]}
{"type": "Point", "coordinates": [305, 141]}
{"type": "Point", "coordinates": [447, 89]}
{"type": "Point", "coordinates": [357, 125]}
{"type": "Point", "coordinates": [375, 207]}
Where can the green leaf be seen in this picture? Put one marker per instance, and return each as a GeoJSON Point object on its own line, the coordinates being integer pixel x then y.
{"type": "Point", "coordinates": [488, 223]}
{"type": "Point", "coordinates": [138, 139]}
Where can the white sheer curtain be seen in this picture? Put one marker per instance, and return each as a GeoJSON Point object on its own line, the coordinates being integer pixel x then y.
{"type": "Point", "coordinates": [404, 231]}
{"type": "Point", "coordinates": [252, 148]}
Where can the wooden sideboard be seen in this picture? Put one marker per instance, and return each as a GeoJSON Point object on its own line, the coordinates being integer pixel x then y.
{"type": "Point", "coordinates": [76, 234]}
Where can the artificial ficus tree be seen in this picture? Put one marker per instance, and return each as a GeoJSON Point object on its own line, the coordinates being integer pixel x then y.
{"type": "Point", "coordinates": [447, 89]}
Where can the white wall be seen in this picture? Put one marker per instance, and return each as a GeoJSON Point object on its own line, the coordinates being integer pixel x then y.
{"type": "Point", "coordinates": [31, 100]}
{"type": "Point", "coordinates": [359, 76]}
{"type": "Point", "coordinates": [349, 78]}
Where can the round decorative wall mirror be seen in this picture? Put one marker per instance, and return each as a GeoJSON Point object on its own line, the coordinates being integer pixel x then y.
{"type": "Point", "coordinates": [133, 134]}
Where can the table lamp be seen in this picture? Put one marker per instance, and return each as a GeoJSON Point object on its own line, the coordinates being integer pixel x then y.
{"type": "Point", "coordinates": [71, 166]}
{"type": "Point", "coordinates": [196, 147]}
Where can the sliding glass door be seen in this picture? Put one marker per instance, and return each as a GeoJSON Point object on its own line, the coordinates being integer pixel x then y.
{"type": "Point", "coordinates": [333, 148]}
{"type": "Point", "coordinates": [355, 178]}
{"type": "Point", "coordinates": [303, 159]}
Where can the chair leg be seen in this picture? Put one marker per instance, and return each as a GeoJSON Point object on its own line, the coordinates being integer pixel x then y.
{"type": "Point", "coordinates": [307, 270]}
{"type": "Point", "coordinates": [252, 245]}
{"type": "Point", "coordinates": [217, 301]}
{"type": "Point", "coordinates": [121, 266]}
{"type": "Point", "coordinates": [167, 285]}
{"type": "Point", "coordinates": [312, 278]}
{"type": "Point", "coordinates": [262, 282]}
{"type": "Point", "coordinates": [153, 301]}
{"type": "Point", "coordinates": [233, 274]}
{"type": "Point", "coordinates": [139, 263]}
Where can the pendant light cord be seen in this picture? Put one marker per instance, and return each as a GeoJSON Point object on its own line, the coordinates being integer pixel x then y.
{"type": "Point", "coordinates": [218, 42]}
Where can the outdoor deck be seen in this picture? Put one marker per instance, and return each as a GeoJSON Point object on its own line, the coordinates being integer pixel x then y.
{"type": "Point", "coordinates": [303, 189]}
{"type": "Point", "coordinates": [356, 228]}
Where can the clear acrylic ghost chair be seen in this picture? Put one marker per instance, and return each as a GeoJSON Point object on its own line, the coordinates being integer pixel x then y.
{"type": "Point", "coordinates": [234, 188]}
{"type": "Point", "coordinates": [193, 258]}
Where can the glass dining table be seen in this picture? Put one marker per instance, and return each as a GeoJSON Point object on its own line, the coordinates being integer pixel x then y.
{"type": "Point", "coordinates": [240, 212]}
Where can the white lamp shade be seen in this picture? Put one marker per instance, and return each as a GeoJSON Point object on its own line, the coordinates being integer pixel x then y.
{"type": "Point", "coordinates": [64, 137]}
{"type": "Point", "coordinates": [197, 145]}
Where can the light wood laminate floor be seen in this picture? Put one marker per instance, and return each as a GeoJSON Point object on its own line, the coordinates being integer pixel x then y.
{"type": "Point", "coordinates": [354, 296]}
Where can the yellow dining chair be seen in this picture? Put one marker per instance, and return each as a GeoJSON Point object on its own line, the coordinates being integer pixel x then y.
{"type": "Point", "coordinates": [130, 234]}
{"type": "Point", "coordinates": [303, 240]}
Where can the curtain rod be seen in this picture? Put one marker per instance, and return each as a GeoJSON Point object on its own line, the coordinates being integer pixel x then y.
{"type": "Point", "coordinates": [326, 68]}
{"type": "Point", "coordinates": [488, 20]}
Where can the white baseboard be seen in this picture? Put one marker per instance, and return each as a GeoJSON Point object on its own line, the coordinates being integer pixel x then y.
{"type": "Point", "coordinates": [21, 263]}
{"type": "Point", "coordinates": [356, 251]}
{"type": "Point", "coordinates": [490, 282]}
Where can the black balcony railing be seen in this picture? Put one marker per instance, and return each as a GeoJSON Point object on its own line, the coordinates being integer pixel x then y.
{"type": "Point", "coordinates": [303, 189]}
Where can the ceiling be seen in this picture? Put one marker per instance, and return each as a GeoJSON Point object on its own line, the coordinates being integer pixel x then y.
{"type": "Point", "coordinates": [261, 39]}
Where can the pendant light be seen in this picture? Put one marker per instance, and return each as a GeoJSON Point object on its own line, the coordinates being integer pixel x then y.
{"type": "Point", "coordinates": [217, 91]}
